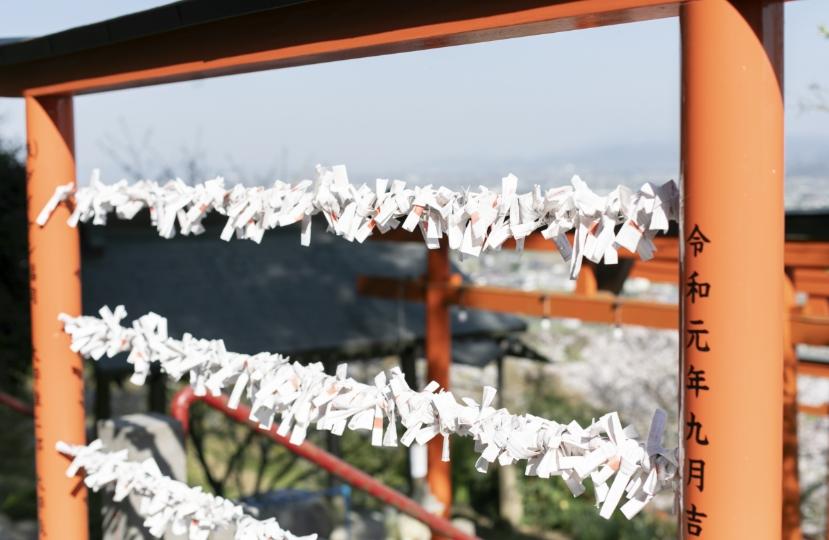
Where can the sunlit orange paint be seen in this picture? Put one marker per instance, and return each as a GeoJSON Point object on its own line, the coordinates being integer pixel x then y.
{"type": "Point", "coordinates": [438, 348]}
{"type": "Point", "coordinates": [54, 265]}
{"type": "Point", "coordinates": [732, 172]}
{"type": "Point", "coordinates": [586, 283]}
{"type": "Point", "coordinates": [599, 308]}
{"type": "Point", "coordinates": [791, 478]}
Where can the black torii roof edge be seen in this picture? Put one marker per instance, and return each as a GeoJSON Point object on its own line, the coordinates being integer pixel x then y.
{"type": "Point", "coordinates": [166, 18]}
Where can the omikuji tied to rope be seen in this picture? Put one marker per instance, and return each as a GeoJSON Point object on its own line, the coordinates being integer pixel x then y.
{"type": "Point", "coordinates": [167, 504]}
{"type": "Point", "coordinates": [472, 221]}
{"type": "Point", "coordinates": [613, 457]}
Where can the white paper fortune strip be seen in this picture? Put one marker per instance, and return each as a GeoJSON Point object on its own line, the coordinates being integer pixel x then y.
{"type": "Point", "coordinates": [304, 394]}
{"type": "Point", "coordinates": [473, 221]}
{"type": "Point", "coordinates": [167, 504]}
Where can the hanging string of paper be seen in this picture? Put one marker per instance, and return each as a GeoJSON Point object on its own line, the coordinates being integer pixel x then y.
{"type": "Point", "coordinates": [613, 457]}
{"type": "Point", "coordinates": [472, 221]}
{"type": "Point", "coordinates": [167, 504]}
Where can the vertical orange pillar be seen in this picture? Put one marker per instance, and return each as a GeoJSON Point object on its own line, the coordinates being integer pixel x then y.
{"type": "Point", "coordinates": [732, 269]}
{"type": "Point", "coordinates": [439, 356]}
{"type": "Point", "coordinates": [791, 478]}
{"type": "Point", "coordinates": [586, 283]}
{"type": "Point", "coordinates": [54, 266]}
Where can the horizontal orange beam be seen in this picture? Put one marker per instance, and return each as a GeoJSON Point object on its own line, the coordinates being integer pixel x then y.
{"type": "Point", "coordinates": [812, 280]}
{"type": "Point", "coordinates": [810, 330]}
{"type": "Point", "coordinates": [812, 368]}
{"type": "Point", "coordinates": [596, 308]}
{"type": "Point", "coordinates": [814, 410]}
{"type": "Point", "coordinates": [312, 32]}
{"type": "Point", "coordinates": [599, 308]}
{"type": "Point", "coordinates": [807, 254]}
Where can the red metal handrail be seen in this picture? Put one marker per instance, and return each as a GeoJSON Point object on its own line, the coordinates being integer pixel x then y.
{"type": "Point", "coordinates": [16, 405]}
{"type": "Point", "coordinates": [180, 410]}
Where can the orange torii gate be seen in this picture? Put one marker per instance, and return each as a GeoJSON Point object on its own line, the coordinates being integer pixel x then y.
{"type": "Point", "coordinates": [732, 165]}
{"type": "Point", "coordinates": [807, 324]}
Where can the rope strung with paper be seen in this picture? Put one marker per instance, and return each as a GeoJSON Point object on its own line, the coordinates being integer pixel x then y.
{"type": "Point", "coordinates": [167, 504]}
{"type": "Point", "coordinates": [302, 395]}
{"type": "Point", "coordinates": [473, 221]}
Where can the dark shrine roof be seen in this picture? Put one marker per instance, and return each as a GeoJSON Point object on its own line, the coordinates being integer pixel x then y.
{"type": "Point", "coordinates": [277, 296]}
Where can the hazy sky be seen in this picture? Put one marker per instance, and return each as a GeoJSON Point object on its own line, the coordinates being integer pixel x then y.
{"type": "Point", "coordinates": [602, 101]}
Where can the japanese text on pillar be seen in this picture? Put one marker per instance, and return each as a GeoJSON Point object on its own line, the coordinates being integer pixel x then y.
{"type": "Point", "coordinates": [697, 341]}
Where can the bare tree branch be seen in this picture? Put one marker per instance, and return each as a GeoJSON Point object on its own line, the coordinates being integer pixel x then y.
{"type": "Point", "coordinates": [818, 98]}
{"type": "Point", "coordinates": [198, 445]}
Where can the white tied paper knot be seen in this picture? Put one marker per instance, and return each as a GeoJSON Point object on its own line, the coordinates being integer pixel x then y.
{"type": "Point", "coordinates": [472, 221]}
{"type": "Point", "coordinates": [167, 504]}
{"type": "Point", "coordinates": [301, 395]}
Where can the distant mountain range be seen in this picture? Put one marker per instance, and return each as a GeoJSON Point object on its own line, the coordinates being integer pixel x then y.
{"type": "Point", "coordinates": [602, 167]}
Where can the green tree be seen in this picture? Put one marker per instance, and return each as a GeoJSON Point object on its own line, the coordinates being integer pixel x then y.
{"type": "Point", "coordinates": [15, 348]}
{"type": "Point", "coordinates": [17, 479]}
